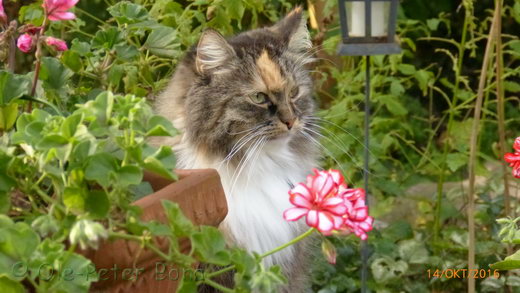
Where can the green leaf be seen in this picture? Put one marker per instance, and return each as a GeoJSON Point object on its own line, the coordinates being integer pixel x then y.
{"type": "Point", "coordinates": [268, 280]}
{"type": "Point", "coordinates": [6, 182]}
{"type": "Point", "coordinates": [161, 162]}
{"type": "Point", "coordinates": [115, 74]}
{"type": "Point", "coordinates": [53, 74]}
{"type": "Point", "coordinates": [72, 60]}
{"type": "Point", "coordinates": [187, 285]}
{"type": "Point", "coordinates": [100, 108]}
{"type": "Point", "coordinates": [179, 224]}
{"type": "Point", "coordinates": [393, 105]}
{"type": "Point", "coordinates": [5, 200]}
{"type": "Point", "coordinates": [129, 175]}
{"type": "Point", "coordinates": [210, 246]}
{"type": "Point", "coordinates": [385, 269]}
{"type": "Point", "coordinates": [97, 204]}
{"type": "Point", "coordinates": [70, 125]}
{"type": "Point", "coordinates": [19, 241]}
{"type": "Point", "coordinates": [423, 77]}
{"type": "Point", "coordinates": [52, 141]}
{"type": "Point", "coordinates": [126, 52]}
{"type": "Point", "coordinates": [8, 115]}
{"type": "Point", "coordinates": [107, 39]}
{"type": "Point", "coordinates": [74, 199]}
{"type": "Point", "coordinates": [235, 9]}
{"type": "Point", "coordinates": [433, 23]}
{"type": "Point", "coordinates": [512, 86]}
{"type": "Point", "coordinates": [126, 13]}
{"type": "Point", "coordinates": [456, 160]}
{"type": "Point", "coordinates": [101, 168]}
{"type": "Point", "coordinates": [398, 230]}
{"type": "Point", "coordinates": [9, 286]}
{"type": "Point", "coordinates": [406, 69]}
{"type": "Point", "coordinates": [163, 42]}
{"type": "Point", "coordinates": [82, 48]}
{"type": "Point", "coordinates": [516, 11]}
{"type": "Point", "coordinates": [12, 86]}
{"type": "Point", "coordinates": [396, 88]}
{"type": "Point", "coordinates": [509, 263]}
{"type": "Point", "coordinates": [84, 270]}
{"type": "Point", "coordinates": [160, 126]}
{"type": "Point", "coordinates": [412, 251]}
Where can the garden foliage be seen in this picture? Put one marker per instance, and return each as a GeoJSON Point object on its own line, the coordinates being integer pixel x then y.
{"type": "Point", "coordinates": [70, 168]}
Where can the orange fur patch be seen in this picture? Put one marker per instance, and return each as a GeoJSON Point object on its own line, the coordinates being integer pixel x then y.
{"type": "Point", "coordinates": [270, 72]}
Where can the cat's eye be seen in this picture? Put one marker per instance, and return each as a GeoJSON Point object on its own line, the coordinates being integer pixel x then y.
{"type": "Point", "coordinates": [259, 98]}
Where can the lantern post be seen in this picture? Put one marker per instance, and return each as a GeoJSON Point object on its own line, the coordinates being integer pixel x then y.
{"type": "Point", "coordinates": [367, 28]}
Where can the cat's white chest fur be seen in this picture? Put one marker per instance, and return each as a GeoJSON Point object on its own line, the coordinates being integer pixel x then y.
{"type": "Point", "coordinates": [257, 196]}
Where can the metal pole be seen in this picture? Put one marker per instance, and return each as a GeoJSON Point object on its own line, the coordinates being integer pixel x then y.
{"type": "Point", "coordinates": [364, 244]}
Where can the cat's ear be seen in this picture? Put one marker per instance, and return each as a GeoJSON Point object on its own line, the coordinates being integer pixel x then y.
{"type": "Point", "coordinates": [293, 29]}
{"type": "Point", "coordinates": [213, 51]}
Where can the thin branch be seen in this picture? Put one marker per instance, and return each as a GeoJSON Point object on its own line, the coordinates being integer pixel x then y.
{"type": "Point", "coordinates": [473, 145]}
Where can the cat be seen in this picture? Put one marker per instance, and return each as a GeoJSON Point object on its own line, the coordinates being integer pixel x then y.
{"type": "Point", "coordinates": [243, 106]}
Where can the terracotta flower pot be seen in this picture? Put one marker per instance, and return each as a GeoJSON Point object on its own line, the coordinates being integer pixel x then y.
{"type": "Point", "coordinates": [125, 267]}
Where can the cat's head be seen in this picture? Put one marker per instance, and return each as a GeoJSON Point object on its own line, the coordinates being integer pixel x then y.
{"type": "Point", "coordinates": [252, 86]}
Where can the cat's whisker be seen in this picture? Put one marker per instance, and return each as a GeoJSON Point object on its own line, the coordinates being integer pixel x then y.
{"type": "Point", "coordinates": [247, 130]}
{"type": "Point", "coordinates": [243, 163]}
{"type": "Point", "coordinates": [319, 145]}
{"type": "Point", "coordinates": [343, 129]}
{"type": "Point", "coordinates": [255, 159]}
{"type": "Point", "coordinates": [239, 145]}
{"type": "Point", "coordinates": [344, 150]}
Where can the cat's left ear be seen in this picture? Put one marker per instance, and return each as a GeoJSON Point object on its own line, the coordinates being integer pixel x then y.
{"type": "Point", "coordinates": [213, 52]}
{"type": "Point", "coordinates": [293, 29]}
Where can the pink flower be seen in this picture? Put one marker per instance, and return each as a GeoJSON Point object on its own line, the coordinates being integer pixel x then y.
{"type": "Point", "coordinates": [514, 158]}
{"type": "Point", "coordinates": [3, 16]}
{"type": "Point", "coordinates": [25, 43]}
{"type": "Point", "coordinates": [329, 205]}
{"type": "Point", "coordinates": [57, 9]}
{"type": "Point", "coordinates": [57, 44]}
{"type": "Point", "coordinates": [357, 219]}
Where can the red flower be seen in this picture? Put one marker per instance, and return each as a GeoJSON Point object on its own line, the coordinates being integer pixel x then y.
{"type": "Point", "coordinates": [3, 16]}
{"type": "Point", "coordinates": [514, 158]}
{"type": "Point", "coordinates": [329, 205]}
{"type": "Point", "coordinates": [25, 43]}
{"type": "Point", "coordinates": [57, 44]}
{"type": "Point", "coordinates": [57, 9]}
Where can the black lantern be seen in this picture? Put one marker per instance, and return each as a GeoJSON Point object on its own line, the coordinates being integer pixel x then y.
{"type": "Point", "coordinates": [368, 27]}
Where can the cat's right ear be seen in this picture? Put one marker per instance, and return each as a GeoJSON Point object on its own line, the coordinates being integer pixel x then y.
{"type": "Point", "coordinates": [213, 52]}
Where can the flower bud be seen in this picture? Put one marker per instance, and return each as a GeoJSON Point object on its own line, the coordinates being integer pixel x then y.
{"type": "Point", "coordinates": [87, 233]}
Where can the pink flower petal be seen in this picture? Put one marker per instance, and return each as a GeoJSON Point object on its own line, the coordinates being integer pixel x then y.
{"type": "Point", "coordinates": [57, 44]}
{"type": "Point", "coordinates": [336, 176]}
{"type": "Point", "coordinates": [56, 16]}
{"type": "Point", "coordinates": [303, 190]}
{"type": "Point", "coordinates": [325, 223]}
{"type": "Point", "coordinates": [300, 201]}
{"type": "Point", "coordinates": [322, 185]}
{"type": "Point", "coordinates": [25, 43]}
{"type": "Point", "coordinates": [294, 214]}
{"type": "Point", "coordinates": [516, 144]}
{"type": "Point", "coordinates": [312, 218]}
{"type": "Point", "coordinates": [359, 214]}
{"type": "Point", "coordinates": [511, 158]}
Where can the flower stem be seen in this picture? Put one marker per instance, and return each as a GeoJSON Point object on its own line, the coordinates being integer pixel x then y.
{"type": "Point", "coordinates": [218, 286]}
{"type": "Point", "coordinates": [292, 242]}
{"type": "Point", "coordinates": [38, 62]}
{"type": "Point", "coordinates": [275, 250]}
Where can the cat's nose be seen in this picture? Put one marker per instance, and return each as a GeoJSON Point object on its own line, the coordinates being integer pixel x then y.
{"type": "Point", "coordinates": [289, 122]}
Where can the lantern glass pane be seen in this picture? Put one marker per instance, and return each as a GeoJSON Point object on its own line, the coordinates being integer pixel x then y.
{"type": "Point", "coordinates": [356, 18]}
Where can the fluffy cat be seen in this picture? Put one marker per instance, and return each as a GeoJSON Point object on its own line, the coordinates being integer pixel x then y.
{"type": "Point", "coordinates": [242, 105]}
